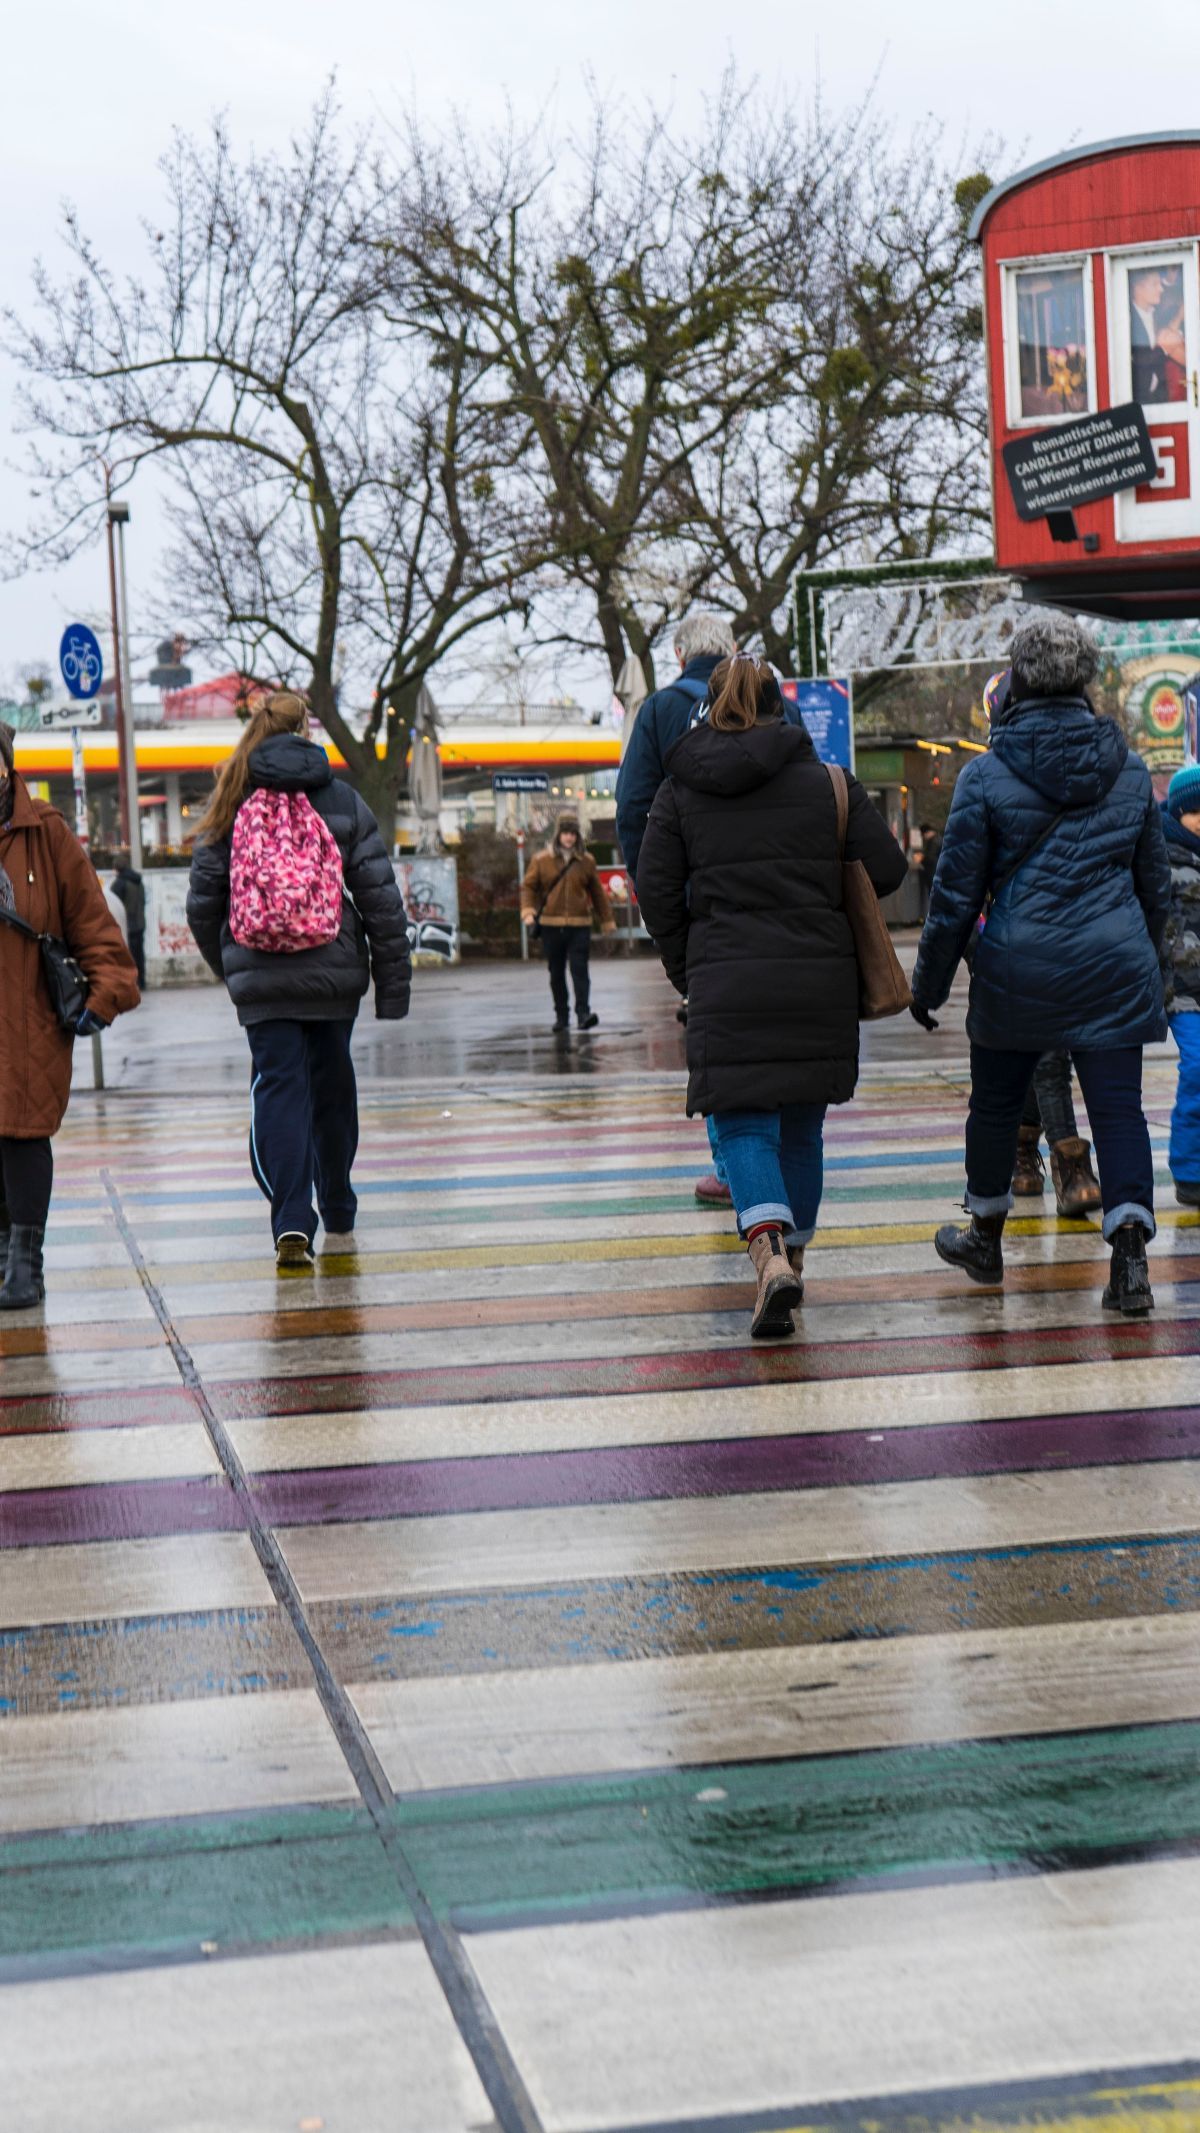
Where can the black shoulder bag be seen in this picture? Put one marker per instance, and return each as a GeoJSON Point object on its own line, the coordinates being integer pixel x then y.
{"type": "Point", "coordinates": [535, 930]}
{"type": "Point", "coordinates": [67, 982]}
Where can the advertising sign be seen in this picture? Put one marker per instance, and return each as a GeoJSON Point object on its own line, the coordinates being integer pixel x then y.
{"type": "Point", "coordinates": [1077, 461]}
{"type": "Point", "coordinates": [825, 706]}
{"type": "Point", "coordinates": [1157, 714]}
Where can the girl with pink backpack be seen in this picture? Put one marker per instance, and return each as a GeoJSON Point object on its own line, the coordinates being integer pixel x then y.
{"type": "Point", "coordinates": [294, 904]}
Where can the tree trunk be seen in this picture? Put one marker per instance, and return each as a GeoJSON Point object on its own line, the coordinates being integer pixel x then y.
{"type": "Point", "coordinates": [379, 789]}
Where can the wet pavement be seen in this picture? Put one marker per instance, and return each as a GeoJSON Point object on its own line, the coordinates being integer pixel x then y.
{"type": "Point", "coordinates": [470, 1686]}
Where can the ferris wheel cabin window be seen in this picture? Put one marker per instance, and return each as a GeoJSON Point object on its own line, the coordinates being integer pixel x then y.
{"type": "Point", "coordinates": [1048, 339]}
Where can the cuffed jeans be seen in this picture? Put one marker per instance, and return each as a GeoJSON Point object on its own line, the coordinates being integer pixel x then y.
{"type": "Point", "coordinates": [304, 1123]}
{"type": "Point", "coordinates": [774, 1164]}
{"type": "Point", "coordinates": [1184, 1155]}
{"type": "Point", "coordinates": [1112, 1090]}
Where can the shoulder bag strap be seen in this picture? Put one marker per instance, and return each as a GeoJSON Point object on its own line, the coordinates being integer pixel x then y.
{"type": "Point", "coordinates": [553, 886]}
{"type": "Point", "coordinates": [841, 796]}
{"type": "Point", "coordinates": [1028, 853]}
{"type": "Point", "coordinates": [10, 919]}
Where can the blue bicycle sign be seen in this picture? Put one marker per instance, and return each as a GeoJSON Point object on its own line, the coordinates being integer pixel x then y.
{"type": "Point", "coordinates": [80, 661]}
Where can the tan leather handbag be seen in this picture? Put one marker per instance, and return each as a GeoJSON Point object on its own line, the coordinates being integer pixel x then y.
{"type": "Point", "coordinates": [883, 988]}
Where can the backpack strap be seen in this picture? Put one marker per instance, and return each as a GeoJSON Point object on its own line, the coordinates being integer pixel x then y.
{"type": "Point", "coordinates": [692, 686]}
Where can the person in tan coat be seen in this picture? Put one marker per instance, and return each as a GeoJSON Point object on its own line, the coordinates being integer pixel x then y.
{"type": "Point", "coordinates": [47, 879]}
{"type": "Point", "coordinates": [562, 893]}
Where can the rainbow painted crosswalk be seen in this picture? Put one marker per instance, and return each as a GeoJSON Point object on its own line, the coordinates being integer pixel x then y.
{"type": "Point", "coordinates": [472, 1686]}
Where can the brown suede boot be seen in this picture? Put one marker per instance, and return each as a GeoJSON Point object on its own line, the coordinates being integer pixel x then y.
{"type": "Point", "coordinates": [1029, 1177]}
{"type": "Point", "coordinates": [795, 1259]}
{"type": "Point", "coordinates": [778, 1289]}
{"type": "Point", "coordinates": [1075, 1187]}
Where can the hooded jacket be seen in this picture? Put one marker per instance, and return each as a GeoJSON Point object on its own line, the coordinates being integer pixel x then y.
{"type": "Point", "coordinates": [54, 887]}
{"type": "Point", "coordinates": [318, 984]}
{"type": "Point", "coordinates": [1069, 955]}
{"type": "Point", "coordinates": [564, 888]}
{"type": "Point", "coordinates": [740, 883]}
{"type": "Point", "coordinates": [1181, 939]}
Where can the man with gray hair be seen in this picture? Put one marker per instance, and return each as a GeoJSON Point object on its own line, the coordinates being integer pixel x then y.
{"type": "Point", "coordinates": [1056, 832]}
{"type": "Point", "coordinates": [701, 642]}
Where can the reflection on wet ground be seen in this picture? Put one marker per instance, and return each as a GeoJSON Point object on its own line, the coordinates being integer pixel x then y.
{"type": "Point", "coordinates": [469, 1685]}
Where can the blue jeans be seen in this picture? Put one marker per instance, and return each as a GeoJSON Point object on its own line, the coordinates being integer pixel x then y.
{"type": "Point", "coordinates": [774, 1161]}
{"type": "Point", "coordinates": [1112, 1090]}
{"type": "Point", "coordinates": [1184, 1155]}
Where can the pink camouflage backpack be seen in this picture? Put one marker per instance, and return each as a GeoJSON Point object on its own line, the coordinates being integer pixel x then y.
{"type": "Point", "coordinates": [285, 875]}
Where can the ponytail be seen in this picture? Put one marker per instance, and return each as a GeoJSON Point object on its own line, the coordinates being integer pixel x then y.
{"type": "Point", "coordinates": [283, 712]}
{"type": "Point", "coordinates": [743, 690]}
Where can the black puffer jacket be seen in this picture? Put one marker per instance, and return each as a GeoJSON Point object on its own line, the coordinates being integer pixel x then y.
{"type": "Point", "coordinates": [319, 984]}
{"type": "Point", "coordinates": [739, 882]}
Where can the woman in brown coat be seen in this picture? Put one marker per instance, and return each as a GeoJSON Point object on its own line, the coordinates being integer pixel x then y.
{"type": "Point", "coordinates": [47, 879]}
{"type": "Point", "coordinates": [563, 891]}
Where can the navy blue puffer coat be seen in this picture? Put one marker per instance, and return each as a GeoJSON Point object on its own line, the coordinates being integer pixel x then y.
{"type": "Point", "coordinates": [319, 984]}
{"type": "Point", "coordinates": [1069, 954]}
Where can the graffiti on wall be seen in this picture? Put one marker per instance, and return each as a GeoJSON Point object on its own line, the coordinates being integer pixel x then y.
{"type": "Point", "coordinates": [429, 887]}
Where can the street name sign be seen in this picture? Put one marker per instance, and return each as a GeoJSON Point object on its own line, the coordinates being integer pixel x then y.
{"type": "Point", "coordinates": [520, 781]}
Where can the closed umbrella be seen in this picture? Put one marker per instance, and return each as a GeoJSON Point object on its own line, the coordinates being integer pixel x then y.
{"type": "Point", "coordinates": [425, 774]}
{"type": "Point", "coordinates": [631, 690]}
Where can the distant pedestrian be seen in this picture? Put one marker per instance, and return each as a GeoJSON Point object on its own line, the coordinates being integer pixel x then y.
{"type": "Point", "coordinates": [48, 883]}
{"type": "Point", "coordinates": [1181, 973]}
{"type": "Point", "coordinates": [562, 893]}
{"type": "Point", "coordinates": [1050, 1108]}
{"type": "Point", "coordinates": [930, 853]}
{"type": "Point", "coordinates": [294, 903]}
{"type": "Point", "coordinates": [1058, 825]}
{"type": "Point", "coordinates": [130, 890]}
{"type": "Point", "coordinates": [740, 883]}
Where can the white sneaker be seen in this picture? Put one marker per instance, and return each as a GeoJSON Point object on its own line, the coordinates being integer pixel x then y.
{"type": "Point", "coordinates": [338, 1242]}
{"type": "Point", "coordinates": [293, 1252]}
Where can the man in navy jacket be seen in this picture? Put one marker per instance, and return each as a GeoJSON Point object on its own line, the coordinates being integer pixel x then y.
{"type": "Point", "coordinates": [701, 643]}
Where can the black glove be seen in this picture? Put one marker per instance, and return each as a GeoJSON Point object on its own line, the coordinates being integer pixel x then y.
{"type": "Point", "coordinates": [922, 1015]}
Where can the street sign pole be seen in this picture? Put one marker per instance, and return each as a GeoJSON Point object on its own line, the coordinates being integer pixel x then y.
{"type": "Point", "coordinates": [521, 891]}
{"type": "Point", "coordinates": [134, 839]}
{"type": "Point", "coordinates": [79, 774]}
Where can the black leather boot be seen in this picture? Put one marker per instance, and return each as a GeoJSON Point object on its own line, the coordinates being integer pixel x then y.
{"type": "Point", "coordinates": [23, 1283]}
{"type": "Point", "coordinates": [1129, 1289]}
{"type": "Point", "coordinates": [975, 1249]}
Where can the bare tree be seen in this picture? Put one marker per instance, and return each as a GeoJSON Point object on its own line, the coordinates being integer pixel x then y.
{"type": "Point", "coordinates": [336, 498]}
{"type": "Point", "coordinates": [618, 290]}
{"type": "Point", "coordinates": [875, 444]}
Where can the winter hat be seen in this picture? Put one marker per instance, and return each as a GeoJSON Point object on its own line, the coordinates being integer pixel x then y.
{"type": "Point", "coordinates": [567, 822]}
{"type": "Point", "coordinates": [7, 746]}
{"type": "Point", "coordinates": [1183, 792]}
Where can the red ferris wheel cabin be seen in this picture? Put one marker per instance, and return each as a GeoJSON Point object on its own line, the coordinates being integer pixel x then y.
{"type": "Point", "coordinates": [1092, 302]}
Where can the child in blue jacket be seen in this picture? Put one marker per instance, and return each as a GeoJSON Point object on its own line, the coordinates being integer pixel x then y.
{"type": "Point", "coordinates": [1181, 975]}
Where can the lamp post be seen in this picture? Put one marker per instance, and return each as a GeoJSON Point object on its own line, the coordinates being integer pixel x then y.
{"type": "Point", "coordinates": [131, 826]}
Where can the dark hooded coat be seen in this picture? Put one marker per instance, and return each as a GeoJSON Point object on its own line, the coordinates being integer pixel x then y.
{"type": "Point", "coordinates": [740, 883]}
{"type": "Point", "coordinates": [1069, 955]}
{"type": "Point", "coordinates": [319, 984]}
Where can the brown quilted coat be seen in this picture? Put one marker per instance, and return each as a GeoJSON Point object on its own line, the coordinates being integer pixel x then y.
{"type": "Point", "coordinates": [57, 890]}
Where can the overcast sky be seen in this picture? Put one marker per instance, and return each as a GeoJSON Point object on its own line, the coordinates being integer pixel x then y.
{"type": "Point", "coordinates": [91, 93]}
